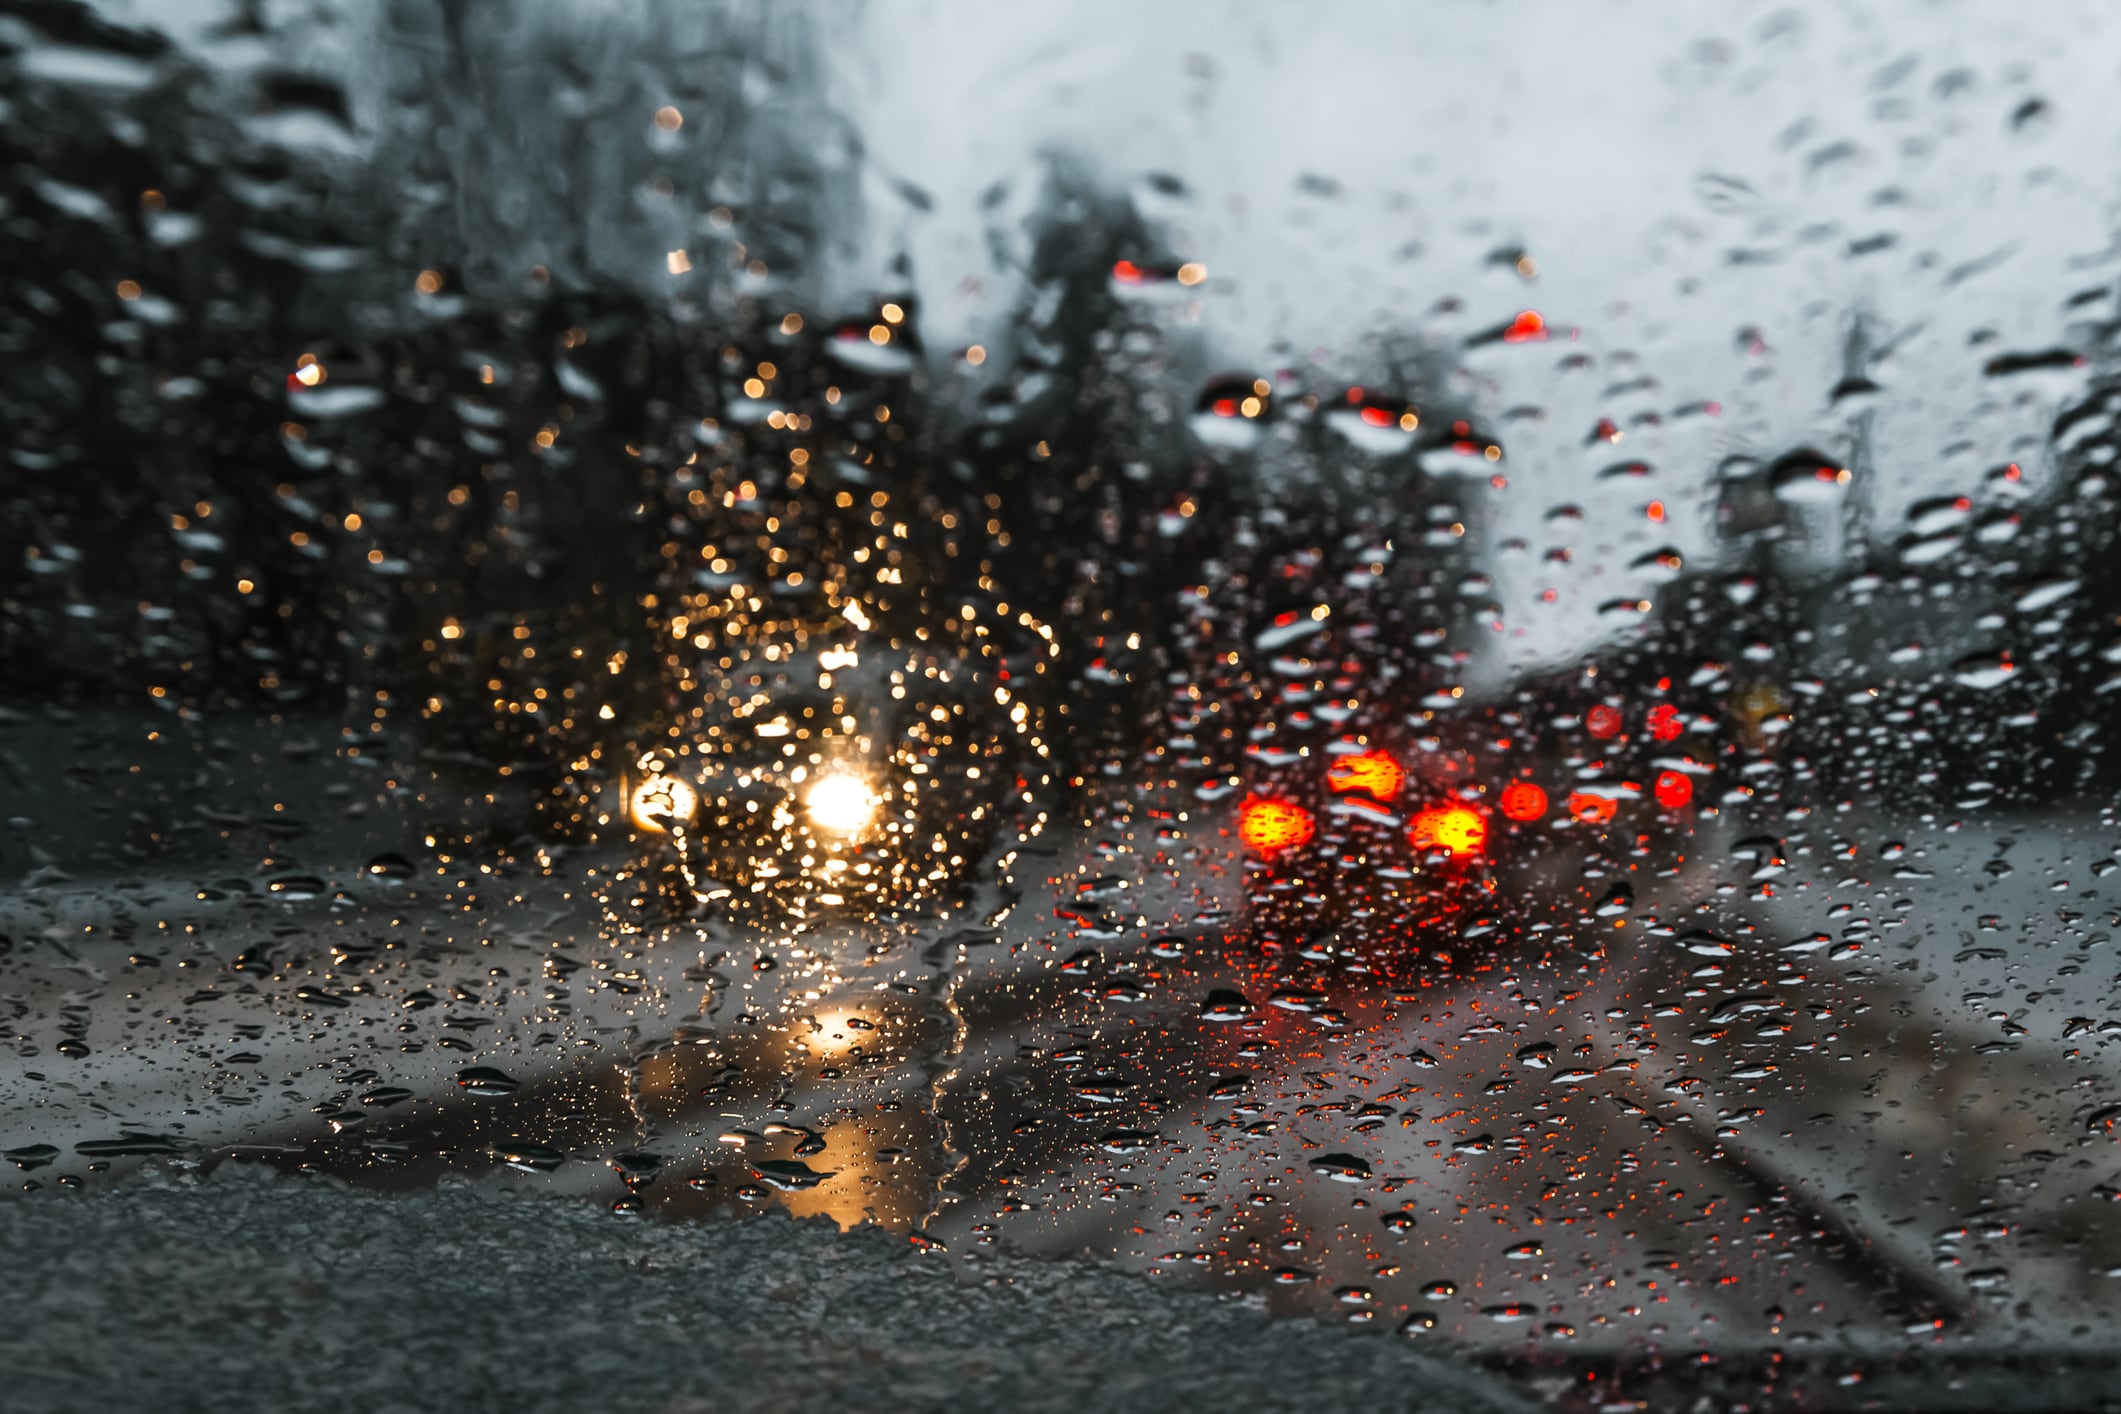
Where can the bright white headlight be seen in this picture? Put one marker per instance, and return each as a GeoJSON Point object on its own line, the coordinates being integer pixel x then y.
{"type": "Point", "coordinates": [840, 803]}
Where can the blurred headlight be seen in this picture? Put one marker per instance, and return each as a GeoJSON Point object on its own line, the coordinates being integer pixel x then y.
{"type": "Point", "coordinates": [840, 803]}
{"type": "Point", "coordinates": [661, 802]}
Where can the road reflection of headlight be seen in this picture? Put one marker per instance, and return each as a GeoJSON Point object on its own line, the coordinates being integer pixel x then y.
{"type": "Point", "coordinates": [840, 803]}
{"type": "Point", "coordinates": [659, 802]}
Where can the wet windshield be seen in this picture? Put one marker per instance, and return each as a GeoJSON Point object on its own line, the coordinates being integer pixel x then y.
{"type": "Point", "coordinates": [1429, 697]}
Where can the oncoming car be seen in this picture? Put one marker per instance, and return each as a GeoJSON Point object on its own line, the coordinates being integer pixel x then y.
{"type": "Point", "coordinates": [833, 765]}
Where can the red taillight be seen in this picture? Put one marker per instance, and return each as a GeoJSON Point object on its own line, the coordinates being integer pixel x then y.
{"type": "Point", "coordinates": [1673, 790]}
{"type": "Point", "coordinates": [1127, 272]}
{"type": "Point", "coordinates": [1458, 828]}
{"type": "Point", "coordinates": [1269, 825]}
{"type": "Point", "coordinates": [1664, 722]}
{"type": "Point", "coordinates": [1372, 771]}
{"type": "Point", "coordinates": [1595, 809]}
{"type": "Point", "coordinates": [1602, 721]}
{"type": "Point", "coordinates": [1523, 801]}
{"type": "Point", "coordinates": [1526, 328]}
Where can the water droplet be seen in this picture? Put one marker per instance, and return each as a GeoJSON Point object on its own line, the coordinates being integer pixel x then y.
{"type": "Point", "coordinates": [529, 1158]}
{"type": "Point", "coordinates": [486, 1081]}
{"type": "Point", "coordinates": [789, 1175]}
{"type": "Point", "coordinates": [1342, 1168]}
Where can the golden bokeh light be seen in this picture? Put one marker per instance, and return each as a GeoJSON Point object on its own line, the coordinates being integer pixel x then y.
{"type": "Point", "coordinates": [660, 802]}
{"type": "Point", "coordinates": [840, 803]}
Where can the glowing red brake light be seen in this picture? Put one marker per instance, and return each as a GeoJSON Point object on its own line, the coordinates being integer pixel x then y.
{"type": "Point", "coordinates": [1458, 828]}
{"type": "Point", "coordinates": [1673, 790]}
{"type": "Point", "coordinates": [1521, 800]}
{"type": "Point", "coordinates": [1269, 825]}
{"type": "Point", "coordinates": [1372, 771]}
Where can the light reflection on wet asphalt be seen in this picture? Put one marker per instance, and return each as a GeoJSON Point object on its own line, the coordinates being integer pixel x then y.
{"type": "Point", "coordinates": [1655, 1133]}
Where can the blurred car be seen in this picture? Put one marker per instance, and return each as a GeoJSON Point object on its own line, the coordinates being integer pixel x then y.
{"type": "Point", "coordinates": [831, 765]}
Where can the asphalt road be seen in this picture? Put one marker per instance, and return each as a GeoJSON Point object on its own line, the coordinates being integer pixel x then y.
{"type": "Point", "coordinates": [1837, 1119]}
{"type": "Point", "coordinates": [247, 1293]}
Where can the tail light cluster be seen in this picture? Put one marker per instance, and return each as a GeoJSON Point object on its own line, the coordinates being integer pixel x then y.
{"type": "Point", "coordinates": [1269, 824]}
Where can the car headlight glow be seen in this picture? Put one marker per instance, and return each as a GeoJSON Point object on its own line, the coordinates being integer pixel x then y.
{"type": "Point", "coordinates": [661, 802]}
{"type": "Point", "coordinates": [840, 803]}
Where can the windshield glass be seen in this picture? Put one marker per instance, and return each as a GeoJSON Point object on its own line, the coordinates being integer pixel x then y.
{"type": "Point", "coordinates": [1432, 688]}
